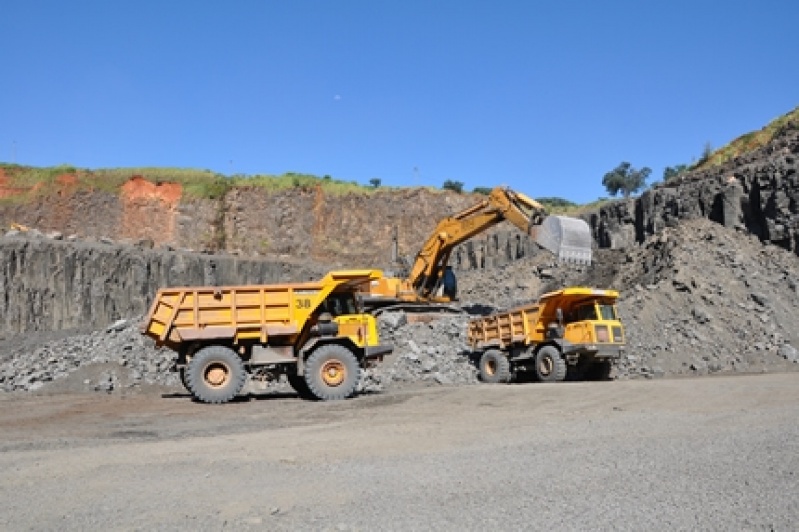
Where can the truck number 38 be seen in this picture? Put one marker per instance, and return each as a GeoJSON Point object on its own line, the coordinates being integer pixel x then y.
{"type": "Point", "coordinates": [302, 303]}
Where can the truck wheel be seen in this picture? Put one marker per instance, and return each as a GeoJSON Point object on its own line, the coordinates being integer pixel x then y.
{"type": "Point", "coordinates": [215, 374]}
{"type": "Point", "coordinates": [494, 367]}
{"type": "Point", "coordinates": [549, 365]}
{"type": "Point", "coordinates": [332, 373]}
{"type": "Point", "coordinates": [298, 384]}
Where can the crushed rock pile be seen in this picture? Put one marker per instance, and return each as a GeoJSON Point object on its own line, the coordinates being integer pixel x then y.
{"type": "Point", "coordinates": [430, 351]}
{"type": "Point", "coordinates": [703, 299]}
{"type": "Point", "coordinates": [115, 358]}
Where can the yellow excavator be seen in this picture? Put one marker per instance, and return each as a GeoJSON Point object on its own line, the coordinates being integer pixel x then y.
{"type": "Point", "coordinates": [430, 280]}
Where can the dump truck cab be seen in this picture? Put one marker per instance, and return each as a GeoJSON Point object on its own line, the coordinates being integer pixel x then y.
{"type": "Point", "coordinates": [313, 333]}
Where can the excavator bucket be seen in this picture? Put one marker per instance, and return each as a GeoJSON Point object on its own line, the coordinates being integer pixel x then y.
{"type": "Point", "coordinates": [568, 238]}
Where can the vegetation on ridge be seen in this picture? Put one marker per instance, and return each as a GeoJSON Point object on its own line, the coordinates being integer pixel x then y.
{"type": "Point", "coordinates": [746, 143]}
{"type": "Point", "coordinates": [26, 182]}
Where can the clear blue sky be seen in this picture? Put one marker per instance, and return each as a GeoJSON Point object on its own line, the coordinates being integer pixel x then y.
{"type": "Point", "coordinates": [542, 96]}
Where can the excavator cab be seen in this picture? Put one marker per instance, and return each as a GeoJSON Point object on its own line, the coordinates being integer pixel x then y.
{"type": "Point", "coordinates": [450, 284]}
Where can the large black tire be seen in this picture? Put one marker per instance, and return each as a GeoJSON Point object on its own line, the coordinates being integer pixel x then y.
{"type": "Point", "coordinates": [332, 373]}
{"type": "Point", "coordinates": [549, 365]}
{"type": "Point", "coordinates": [298, 384]}
{"type": "Point", "coordinates": [215, 374]}
{"type": "Point", "coordinates": [494, 367]}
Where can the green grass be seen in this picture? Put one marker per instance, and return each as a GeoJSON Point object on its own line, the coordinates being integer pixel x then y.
{"type": "Point", "coordinates": [294, 180]}
{"type": "Point", "coordinates": [200, 184]}
{"type": "Point", "coordinates": [576, 210]}
{"type": "Point", "coordinates": [197, 184]}
{"type": "Point", "coordinates": [203, 184]}
{"type": "Point", "coordinates": [747, 142]}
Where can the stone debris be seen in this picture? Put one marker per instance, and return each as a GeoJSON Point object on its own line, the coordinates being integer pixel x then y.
{"type": "Point", "coordinates": [433, 351]}
{"type": "Point", "coordinates": [124, 359]}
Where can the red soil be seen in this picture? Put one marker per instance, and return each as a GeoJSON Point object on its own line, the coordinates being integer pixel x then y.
{"type": "Point", "coordinates": [149, 210]}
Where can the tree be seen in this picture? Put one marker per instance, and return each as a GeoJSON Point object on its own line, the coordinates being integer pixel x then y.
{"type": "Point", "coordinates": [456, 186]}
{"type": "Point", "coordinates": [707, 151]}
{"type": "Point", "coordinates": [673, 172]}
{"type": "Point", "coordinates": [375, 182]}
{"type": "Point", "coordinates": [625, 179]}
{"type": "Point", "coordinates": [482, 190]}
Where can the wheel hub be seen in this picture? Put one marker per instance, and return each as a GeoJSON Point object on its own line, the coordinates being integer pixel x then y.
{"type": "Point", "coordinates": [333, 373]}
{"type": "Point", "coordinates": [491, 367]}
{"type": "Point", "coordinates": [216, 375]}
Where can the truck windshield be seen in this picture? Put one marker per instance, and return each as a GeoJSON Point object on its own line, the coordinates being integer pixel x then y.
{"type": "Point", "coordinates": [338, 304]}
{"type": "Point", "coordinates": [607, 312]}
{"type": "Point", "coordinates": [586, 312]}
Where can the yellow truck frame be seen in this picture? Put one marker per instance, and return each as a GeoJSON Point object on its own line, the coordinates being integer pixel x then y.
{"type": "Point", "coordinates": [314, 333]}
{"type": "Point", "coordinates": [576, 327]}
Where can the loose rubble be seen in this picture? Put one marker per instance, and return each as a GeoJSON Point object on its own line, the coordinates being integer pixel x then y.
{"type": "Point", "coordinates": [430, 351]}
{"type": "Point", "coordinates": [121, 357]}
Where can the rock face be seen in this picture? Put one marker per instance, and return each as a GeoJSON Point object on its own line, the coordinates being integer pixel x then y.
{"type": "Point", "coordinates": [49, 284]}
{"type": "Point", "coordinates": [758, 192]}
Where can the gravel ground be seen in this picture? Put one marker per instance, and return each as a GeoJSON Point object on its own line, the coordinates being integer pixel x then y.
{"type": "Point", "coordinates": [717, 453]}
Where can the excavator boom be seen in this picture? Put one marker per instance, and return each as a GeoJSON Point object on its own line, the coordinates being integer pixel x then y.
{"type": "Point", "coordinates": [429, 279]}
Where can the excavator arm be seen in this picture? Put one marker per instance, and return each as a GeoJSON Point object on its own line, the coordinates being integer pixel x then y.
{"type": "Point", "coordinates": [568, 238]}
{"type": "Point", "coordinates": [502, 204]}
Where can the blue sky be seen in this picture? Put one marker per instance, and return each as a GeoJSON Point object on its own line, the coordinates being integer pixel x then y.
{"type": "Point", "coordinates": [542, 96]}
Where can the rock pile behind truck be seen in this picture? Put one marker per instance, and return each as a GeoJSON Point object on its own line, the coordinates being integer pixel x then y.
{"type": "Point", "coordinates": [695, 299]}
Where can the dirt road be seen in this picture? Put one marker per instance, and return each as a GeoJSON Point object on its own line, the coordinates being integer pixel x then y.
{"type": "Point", "coordinates": [710, 453]}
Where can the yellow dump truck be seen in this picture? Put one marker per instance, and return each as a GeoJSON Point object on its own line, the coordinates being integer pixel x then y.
{"type": "Point", "coordinates": [574, 330]}
{"type": "Point", "coordinates": [313, 333]}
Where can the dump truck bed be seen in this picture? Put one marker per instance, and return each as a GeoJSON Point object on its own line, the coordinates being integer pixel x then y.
{"type": "Point", "coordinates": [252, 312]}
{"type": "Point", "coordinates": [504, 328]}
